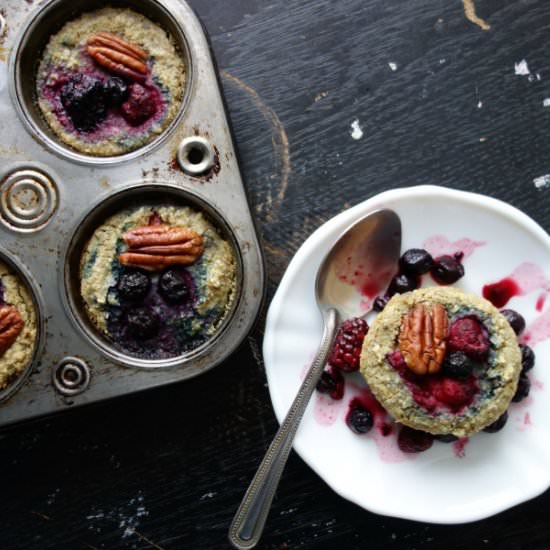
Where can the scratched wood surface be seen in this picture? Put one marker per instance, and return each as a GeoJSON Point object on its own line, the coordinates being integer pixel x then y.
{"type": "Point", "coordinates": [166, 469]}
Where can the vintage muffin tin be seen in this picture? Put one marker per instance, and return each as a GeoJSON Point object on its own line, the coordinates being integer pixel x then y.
{"type": "Point", "coordinates": [52, 198]}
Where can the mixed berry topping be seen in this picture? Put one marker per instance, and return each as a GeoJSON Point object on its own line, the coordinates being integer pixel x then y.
{"type": "Point", "coordinates": [414, 441]}
{"type": "Point", "coordinates": [498, 424]}
{"type": "Point", "coordinates": [447, 269]}
{"type": "Point", "coordinates": [359, 418]}
{"type": "Point", "coordinates": [173, 287]}
{"type": "Point", "coordinates": [84, 100]}
{"type": "Point", "coordinates": [139, 106]}
{"type": "Point", "coordinates": [332, 383]}
{"type": "Point", "coordinates": [457, 365]}
{"type": "Point", "coordinates": [515, 320]}
{"type": "Point", "coordinates": [416, 261]}
{"type": "Point", "coordinates": [470, 336]}
{"type": "Point", "coordinates": [523, 389]}
{"type": "Point", "coordinates": [402, 283]}
{"type": "Point", "coordinates": [527, 358]}
{"type": "Point", "coordinates": [346, 349]}
{"type": "Point", "coordinates": [133, 285]}
{"type": "Point", "coordinates": [454, 393]}
{"type": "Point", "coordinates": [142, 322]}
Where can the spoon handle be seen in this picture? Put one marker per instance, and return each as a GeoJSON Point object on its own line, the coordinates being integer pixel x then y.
{"type": "Point", "coordinates": [248, 524]}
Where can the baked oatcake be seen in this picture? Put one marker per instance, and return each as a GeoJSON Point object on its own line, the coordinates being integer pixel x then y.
{"type": "Point", "coordinates": [416, 347]}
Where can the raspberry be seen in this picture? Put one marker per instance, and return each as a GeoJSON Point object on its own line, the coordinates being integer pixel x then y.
{"type": "Point", "coordinates": [346, 348]}
{"type": "Point", "coordinates": [414, 441]}
{"type": "Point", "coordinates": [469, 335]}
{"type": "Point", "coordinates": [331, 382]}
{"type": "Point", "coordinates": [453, 393]}
{"type": "Point", "coordinates": [139, 106]}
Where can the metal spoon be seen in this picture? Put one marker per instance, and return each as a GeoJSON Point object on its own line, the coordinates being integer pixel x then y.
{"type": "Point", "coordinates": [370, 247]}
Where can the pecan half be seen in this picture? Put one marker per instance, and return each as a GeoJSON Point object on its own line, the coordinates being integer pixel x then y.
{"type": "Point", "coordinates": [118, 56]}
{"type": "Point", "coordinates": [159, 245]}
{"type": "Point", "coordinates": [422, 338]}
{"type": "Point", "coordinates": [11, 325]}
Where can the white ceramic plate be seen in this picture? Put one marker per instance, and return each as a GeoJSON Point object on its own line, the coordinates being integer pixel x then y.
{"type": "Point", "coordinates": [447, 483]}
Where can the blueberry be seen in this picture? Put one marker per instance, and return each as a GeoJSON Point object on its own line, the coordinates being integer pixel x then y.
{"type": "Point", "coordinates": [527, 358]}
{"type": "Point", "coordinates": [173, 286]}
{"type": "Point", "coordinates": [83, 98]}
{"type": "Point", "coordinates": [414, 441]}
{"type": "Point", "coordinates": [498, 424]}
{"type": "Point", "coordinates": [380, 303]}
{"type": "Point", "coordinates": [133, 285]}
{"type": "Point", "coordinates": [116, 91]}
{"type": "Point", "coordinates": [446, 438]}
{"type": "Point", "coordinates": [359, 418]}
{"type": "Point", "coordinates": [515, 320]}
{"type": "Point", "coordinates": [402, 283]}
{"type": "Point", "coordinates": [457, 365]}
{"type": "Point", "coordinates": [416, 261]}
{"type": "Point", "coordinates": [524, 386]}
{"type": "Point", "coordinates": [142, 322]}
{"type": "Point", "coordinates": [331, 382]}
{"type": "Point", "coordinates": [447, 270]}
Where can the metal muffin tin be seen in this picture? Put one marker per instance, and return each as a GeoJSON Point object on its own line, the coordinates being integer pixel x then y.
{"type": "Point", "coordinates": [52, 198]}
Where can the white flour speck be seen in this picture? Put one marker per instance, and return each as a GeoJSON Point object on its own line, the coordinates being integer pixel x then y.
{"type": "Point", "coordinates": [538, 76]}
{"type": "Point", "coordinates": [546, 102]}
{"type": "Point", "coordinates": [392, 66]}
{"type": "Point", "coordinates": [521, 68]}
{"type": "Point", "coordinates": [441, 61]}
{"type": "Point", "coordinates": [356, 130]}
{"type": "Point", "coordinates": [479, 104]}
{"type": "Point", "coordinates": [208, 495]}
{"type": "Point", "coordinates": [542, 181]}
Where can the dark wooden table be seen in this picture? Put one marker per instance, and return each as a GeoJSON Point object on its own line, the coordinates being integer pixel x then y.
{"type": "Point", "coordinates": [166, 469]}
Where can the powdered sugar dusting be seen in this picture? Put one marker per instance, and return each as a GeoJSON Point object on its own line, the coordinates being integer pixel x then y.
{"type": "Point", "coordinates": [521, 68]}
{"type": "Point", "coordinates": [356, 130]}
{"type": "Point", "coordinates": [542, 181]}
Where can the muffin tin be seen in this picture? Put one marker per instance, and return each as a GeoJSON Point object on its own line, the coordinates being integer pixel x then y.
{"type": "Point", "coordinates": [52, 198]}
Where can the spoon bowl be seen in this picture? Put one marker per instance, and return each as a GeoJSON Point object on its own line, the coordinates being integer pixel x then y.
{"type": "Point", "coordinates": [359, 265]}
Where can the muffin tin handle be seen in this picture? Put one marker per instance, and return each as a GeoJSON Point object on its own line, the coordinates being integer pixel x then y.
{"type": "Point", "coordinates": [247, 526]}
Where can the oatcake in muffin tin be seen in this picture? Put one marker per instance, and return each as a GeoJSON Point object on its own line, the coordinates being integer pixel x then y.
{"type": "Point", "coordinates": [430, 401]}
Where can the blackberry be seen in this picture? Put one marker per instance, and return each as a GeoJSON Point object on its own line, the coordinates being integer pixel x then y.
{"type": "Point", "coordinates": [527, 358]}
{"type": "Point", "coordinates": [139, 106]}
{"type": "Point", "coordinates": [116, 91]}
{"type": "Point", "coordinates": [402, 283]}
{"type": "Point", "coordinates": [515, 320]}
{"type": "Point", "coordinates": [523, 389]}
{"type": "Point", "coordinates": [416, 261]}
{"type": "Point", "coordinates": [173, 286]}
{"type": "Point", "coordinates": [83, 98]}
{"type": "Point", "coordinates": [457, 365]}
{"type": "Point", "coordinates": [414, 441]}
{"type": "Point", "coordinates": [133, 285]}
{"type": "Point", "coordinates": [142, 322]}
{"type": "Point", "coordinates": [359, 418]}
{"type": "Point", "coordinates": [331, 382]}
{"type": "Point", "coordinates": [498, 424]}
{"type": "Point", "coordinates": [447, 269]}
{"type": "Point", "coordinates": [346, 349]}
